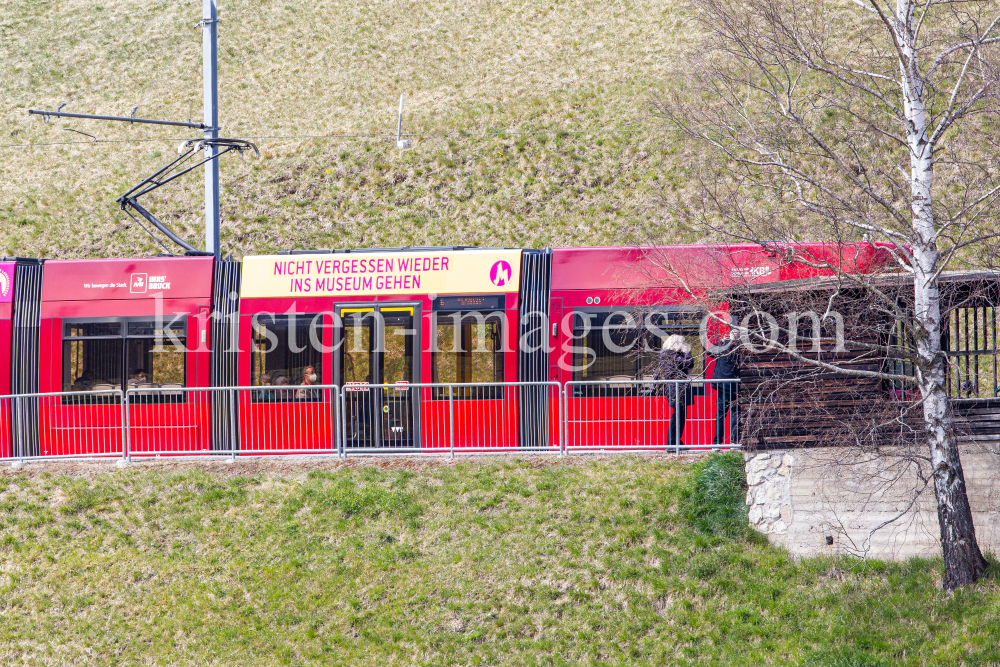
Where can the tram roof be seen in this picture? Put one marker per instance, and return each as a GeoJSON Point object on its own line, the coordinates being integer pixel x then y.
{"type": "Point", "coordinates": [701, 266]}
{"type": "Point", "coordinates": [897, 278]}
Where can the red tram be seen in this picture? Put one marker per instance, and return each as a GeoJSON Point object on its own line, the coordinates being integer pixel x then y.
{"type": "Point", "coordinates": [7, 271]}
{"type": "Point", "coordinates": [409, 339]}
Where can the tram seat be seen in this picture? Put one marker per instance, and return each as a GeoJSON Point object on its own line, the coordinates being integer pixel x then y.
{"type": "Point", "coordinates": [172, 389]}
{"type": "Point", "coordinates": [143, 389]}
{"type": "Point", "coordinates": [87, 400]}
{"type": "Point", "coordinates": [647, 388]}
{"type": "Point", "coordinates": [620, 382]}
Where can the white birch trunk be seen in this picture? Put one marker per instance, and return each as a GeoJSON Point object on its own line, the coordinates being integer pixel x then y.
{"type": "Point", "coordinates": [964, 562]}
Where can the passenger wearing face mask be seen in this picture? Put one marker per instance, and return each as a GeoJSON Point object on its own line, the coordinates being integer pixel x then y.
{"type": "Point", "coordinates": [309, 377]}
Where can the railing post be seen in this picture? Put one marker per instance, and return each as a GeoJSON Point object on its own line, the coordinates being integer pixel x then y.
{"type": "Point", "coordinates": [717, 433]}
{"type": "Point", "coordinates": [734, 417]}
{"type": "Point", "coordinates": [569, 389]}
{"type": "Point", "coordinates": [334, 425]}
{"type": "Point", "coordinates": [232, 423]}
{"type": "Point", "coordinates": [19, 433]}
{"type": "Point", "coordinates": [561, 396]}
{"type": "Point", "coordinates": [126, 454]}
{"type": "Point", "coordinates": [563, 418]}
{"type": "Point", "coordinates": [676, 419]}
{"type": "Point", "coordinates": [343, 424]}
{"type": "Point", "coordinates": [451, 419]}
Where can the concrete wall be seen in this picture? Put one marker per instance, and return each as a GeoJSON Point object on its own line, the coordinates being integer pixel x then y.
{"type": "Point", "coordinates": [834, 500]}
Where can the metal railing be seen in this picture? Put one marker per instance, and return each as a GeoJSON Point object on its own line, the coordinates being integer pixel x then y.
{"type": "Point", "coordinates": [233, 420]}
{"type": "Point", "coordinates": [452, 419]}
{"type": "Point", "coordinates": [362, 419]}
{"type": "Point", "coordinates": [60, 425]}
{"type": "Point", "coordinates": [660, 415]}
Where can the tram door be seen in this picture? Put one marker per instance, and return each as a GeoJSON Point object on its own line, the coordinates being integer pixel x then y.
{"type": "Point", "coordinates": [377, 365]}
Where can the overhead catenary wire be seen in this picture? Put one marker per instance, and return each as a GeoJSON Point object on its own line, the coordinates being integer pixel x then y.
{"type": "Point", "coordinates": [383, 135]}
{"type": "Point", "coordinates": [497, 133]}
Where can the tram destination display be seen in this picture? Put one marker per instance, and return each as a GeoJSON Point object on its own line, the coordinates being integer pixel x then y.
{"type": "Point", "coordinates": [432, 272]}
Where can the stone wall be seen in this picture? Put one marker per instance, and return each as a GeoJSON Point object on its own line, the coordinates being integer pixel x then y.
{"type": "Point", "coordinates": [769, 476]}
{"type": "Point", "coordinates": [835, 501]}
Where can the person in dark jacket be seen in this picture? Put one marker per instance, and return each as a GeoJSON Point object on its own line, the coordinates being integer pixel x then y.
{"type": "Point", "coordinates": [675, 363]}
{"type": "Point", "coordinates": [728, 360]}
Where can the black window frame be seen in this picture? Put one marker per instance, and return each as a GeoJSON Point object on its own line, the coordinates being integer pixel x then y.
{"type": "Point", "coordinates": [444, 311]}
{"type": "Point", "coordinates": [263, 394]}
{"type": "Point", "coordinates": [672, 319]}
{"type": "Point", "coordinates": [174, 322]}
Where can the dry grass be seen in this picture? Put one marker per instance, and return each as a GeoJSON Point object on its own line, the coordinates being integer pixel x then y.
{"type": "Point", "coordinates": [324, 68]}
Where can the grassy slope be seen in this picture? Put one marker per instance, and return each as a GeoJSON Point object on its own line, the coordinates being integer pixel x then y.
{"type": "Point", "coordinates": [613, 561]}
{"type": "Point", "coordinates": [295, 67]}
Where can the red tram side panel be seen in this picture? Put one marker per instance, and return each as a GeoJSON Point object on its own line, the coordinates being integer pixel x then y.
{"type": "Point", "coordinates": [79, 430]}
{"type": "Point", "coordinates": [7, 270]}
{"type": "Point", "coordinates": [484, 423]}
{"type": "Point", "coordinates": [285, 426]}
{"type": "Point", "coordinates": [163, 427]}
{"type": "Point", "coordinates": [140, 324]}
{"type": "Point", "coordinates": [594, 283]}
{"type": "Point", "coordinates": [367, 320]}
{"type": "Point", "coordinates": [639, 422]}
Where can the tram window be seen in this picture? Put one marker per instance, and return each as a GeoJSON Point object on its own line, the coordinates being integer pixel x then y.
{"type": "Point", "coordinates": [355, 351]}
{"type": "Point", "coordinates": [623, 345]}
{"type": "Point", "coordinates": [397, 359]}
{"type": "Point", "coordinates": [155, 362]}
{"type": "Point", "coordinates": [93, 329]}
{"type": "Point", "coordinates": [287, 352]}
{"type": "Point", "coordinates": [470, 352]}
{"type": "Point", "coordinates": [154, 328]}
{"type": "Point", "coordinates": [92, 364]}
{"type": "Point", "coordinates": [110, 354]}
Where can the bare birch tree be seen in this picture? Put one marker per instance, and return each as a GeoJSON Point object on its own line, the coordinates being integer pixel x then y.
{"type": "Point", "coordinates": [857, 120]}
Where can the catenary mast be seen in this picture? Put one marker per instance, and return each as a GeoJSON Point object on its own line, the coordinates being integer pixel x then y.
{"type": "Point", "coordinates": [210, 65]}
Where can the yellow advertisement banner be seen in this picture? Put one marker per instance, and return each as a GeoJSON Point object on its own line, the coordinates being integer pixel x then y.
{"type": "Point", "coordinates": [382, 273]}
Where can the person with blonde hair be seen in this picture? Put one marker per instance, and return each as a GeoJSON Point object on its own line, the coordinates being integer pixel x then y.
{"type": "Point", "coordinates": [675, 363]}
{"type": "Point", "coordinates": [675, 343]}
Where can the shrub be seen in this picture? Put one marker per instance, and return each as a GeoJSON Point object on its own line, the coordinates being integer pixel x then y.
{"type": "Point", "coordinates": [713, 500]}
